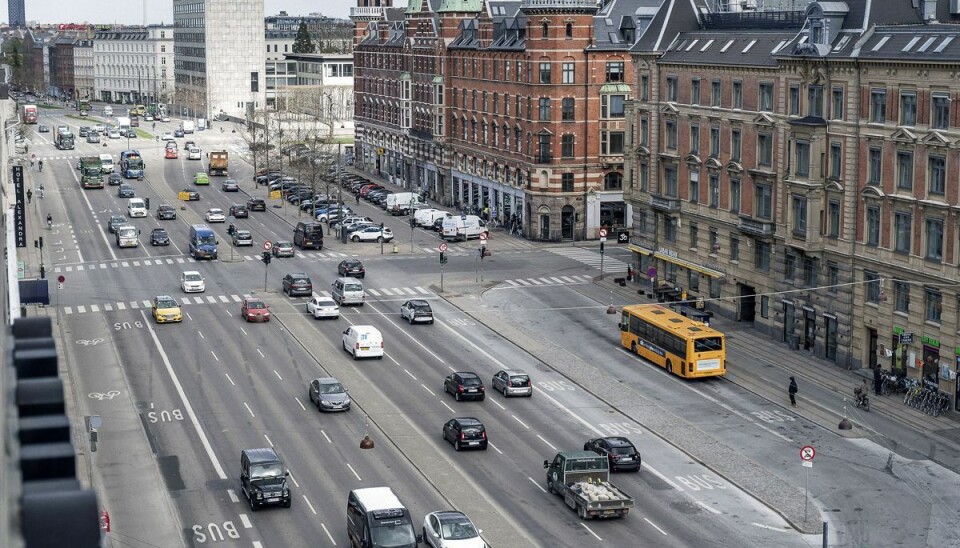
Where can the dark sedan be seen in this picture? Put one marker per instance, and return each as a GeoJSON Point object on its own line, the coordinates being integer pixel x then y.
{"type": "Point", "coordinates": [329, 395]}
{"type": "Point", "coordinates": [166, 212]}
{"type": "Point", "coordinates": [125, 191]}
{"type": "Point", "coordinates": [351, 267]}
{"type": "Point", "coordinates": [297, 285]}
{"type": "Point", "coordinates": [256, 204]}
{"type": "Point", "coordinates": [159, 236]}
{"type": "Point", "coordinates": [114, 179]}
{"type": "Point", "coordinates": [230, 185]}
{"type": "Point", "coordinates": [114, 221]}
{"type": "Point", "coordinates": [464, 385]}
{"type": "Point", "coordinates": [618, 450]}
{"type": "Point", "coordinates": [239, 211]}
{"type": "Point", "coordinates": [465, 432]}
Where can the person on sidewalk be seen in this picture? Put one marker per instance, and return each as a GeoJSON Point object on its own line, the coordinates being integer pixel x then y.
{"type": "Point", "coordinates": [877, 380]}
{"type": "Point", "coordinates": [29, 195]}
{"type": "Point", "coordinates": [793, 392]}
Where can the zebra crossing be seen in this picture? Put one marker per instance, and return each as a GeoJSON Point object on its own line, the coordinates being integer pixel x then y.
{"type": "Point", "coordinates": [549, 281]}
{"type": "Point", "coordinates": [195, 300]}
{"type": "Point", "coordinates": [158, 261]}
{"type": "Point", "coordinates": [590, 258]}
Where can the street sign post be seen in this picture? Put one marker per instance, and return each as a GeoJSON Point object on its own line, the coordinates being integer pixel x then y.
{"type": "Point", "coordinates": [807, 453]}
{"type": "Point", "coordinates": [267, 245]}
{"type": "Point", "coordinates": [603, 238]}
{"type": "Point", "coordinates": [443, 247]}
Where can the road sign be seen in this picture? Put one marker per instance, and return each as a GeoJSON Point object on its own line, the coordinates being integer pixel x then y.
{"type": "Point", "coordinates": [443, 247]}
{"type": "Point", "coordinates": [267, 245]}
{"type": "Point", "coordinates": [807, 452]}
{"type": "Point", "coordinates": [61, 278]}
{"type": "Point", "coordinates": [231, 219]}
{"type": "Point", "coordinates": [483, 236]}
{"type": "Point", "coordinates": [623, 237]}
{"type": "Point", "coordinates": [603, 233]}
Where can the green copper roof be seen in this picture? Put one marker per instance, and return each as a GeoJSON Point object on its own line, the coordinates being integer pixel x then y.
{"type": "Point", "coordinates": [404, 76]}
{"type": "Point", "coordinates": [615, 88]}
{"type": "Point", "coordinates": [438, 79]}
{"type": "Point", "coordinates": [414, 6]}
{"type": "Point", "coordinates": [460, 5]}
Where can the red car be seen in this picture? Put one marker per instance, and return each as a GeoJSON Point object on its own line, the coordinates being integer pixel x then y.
{"type": "Point", "coordinates": [171, 154]}
{"type": "Point", "coordinates": [254, 309]}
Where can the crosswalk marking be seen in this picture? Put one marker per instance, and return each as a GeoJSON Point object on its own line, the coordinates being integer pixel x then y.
{"type": "Point", "coordinates": [386, 291]}
{"type": "Point", "coordinates": [121, 306]}
{"type": "Point", "coordinates": [81, 309]}
{"type": "Point", "coordinates": [67, 310]}
{"type": "Point", "coordinates": [103, 266]}
{"type": "Point", "coordinates": [513, 283]}
{"type": "Point", "coordinates": [567, 279]}
{"type": "Point", "coordinates": [224, 299]}
{"type": "Point", "coordinates": [146, 304]}
{"type": "Point", "coordinates": [180, 260]}
{"type": "Point", "coordinates": [524, 282]}
{"type": "Point", "coordinates": [134, 304]}
{"type": "Point", "coordinates": [422, 290]}
{"type": "Point", "coordinates": [236, 298]}
{"type": "Point", "coordinates": [590, 258]}
{"type": "Point", "coordinates": [94, 308]}
{"type": "Point", "coordinates": [535, 281]}
{"type": "Point", "coordinates": [373, 292]}
{"type": "Point", "coordinates": [169, 261]}
{"type": "Point", "coordinates": [210, 299]}
{"type": "Point", "coordinates": [107, 307]}
{"type": "Point", "coordinates": [124, 264]}
{"type": "Point", "coordinates": [556, 280]}
{"type": "Point", "coordinates": [79, 267]}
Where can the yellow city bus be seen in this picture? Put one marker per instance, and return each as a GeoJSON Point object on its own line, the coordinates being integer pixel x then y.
{"type": "Point", "coordinates": [682, 346]}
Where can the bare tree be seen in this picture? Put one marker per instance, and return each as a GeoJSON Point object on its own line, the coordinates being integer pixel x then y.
{"type": "Point", "coordinates": [255, 136]}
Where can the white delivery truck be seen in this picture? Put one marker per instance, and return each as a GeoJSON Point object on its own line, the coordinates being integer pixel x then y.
{"type": "Point", "coordinates": [188, 126]}
{"type": "Point", "coordinates": [462, 227]}
{"type": "Point", "coordinates": [402, 203]}
{"type": "Point", "coordinates": [123, 124]}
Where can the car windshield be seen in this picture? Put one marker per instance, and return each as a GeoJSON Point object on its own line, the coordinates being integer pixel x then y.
{"type": "Point", "coordinates": [265, 471]}
{"type": "Point", "coordinates": [208, 239]}
{"type": "Point", "coordinates": [331, 388]}
{"type": "Point", "coordinates": [457, 529]}
{"type": "Point", "coordinates": [166, 303]}
{"type": "Point", "coordinates": [192, 277]}
{"type": "Point", "coordinates": [256, 304]}
{"type": "Point", "coordinates": [392, 534]}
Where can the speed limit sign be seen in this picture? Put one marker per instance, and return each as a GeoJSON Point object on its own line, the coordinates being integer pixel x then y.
{"type": "Point", "coordinates": [443, 247]}
{"type": "Point", "coordinates": [267, 245]}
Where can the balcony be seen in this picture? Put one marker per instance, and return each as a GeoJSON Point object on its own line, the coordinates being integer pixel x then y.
{"type": "Point", "coordinates": [667, 205]}
{"type": "Point", "coordinates": [756, 227]}
{"type": "Point", "coordinates": [366, 11]}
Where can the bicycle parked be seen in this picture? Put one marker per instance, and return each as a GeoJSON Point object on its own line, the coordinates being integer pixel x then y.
{"type": "Point", "coordinates": [893, 384]}
{"type": "Point", "coordinates": [930, 401]}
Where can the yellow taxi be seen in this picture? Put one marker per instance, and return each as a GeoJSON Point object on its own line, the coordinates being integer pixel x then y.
{"type": "Point", "coordinates": [166, 309]}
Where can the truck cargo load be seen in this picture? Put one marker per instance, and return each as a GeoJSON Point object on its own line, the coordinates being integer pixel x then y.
{"type": "Point", "coordinates": [30, 114]}
{"type": "Point", "coordinates": [62, 138]}
{"type": "Point", "coordinates": [218, 163]}
{"type": "Point", "coordinates": [582, 479]}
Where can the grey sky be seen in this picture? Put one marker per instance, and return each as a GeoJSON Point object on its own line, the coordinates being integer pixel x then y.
{"type": "Point", "coordinates": [131, 11]}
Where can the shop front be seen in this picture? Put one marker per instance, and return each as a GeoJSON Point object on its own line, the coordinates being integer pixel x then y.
{"type": "Point", "coordinates": [606, 209]}
{"type": "Point", "coordinates": [477, 193]}
{"type": "Point", "coordinates": [671, 277]}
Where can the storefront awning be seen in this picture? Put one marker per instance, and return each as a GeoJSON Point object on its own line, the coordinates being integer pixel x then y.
{"type": "Point", "coordinates": [690, 265]}
{"type": "Point", "coordinates": [640, 250]}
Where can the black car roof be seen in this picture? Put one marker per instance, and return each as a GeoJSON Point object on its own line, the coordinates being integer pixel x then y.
{"type": "Point", "coordinates": [471, 421]}
{"type": "Point", "coordinates": [467, 375]}
{"type": "Point", "coordinates": [262, 455]}
{"type": "Point", "coordinates": [618, 441]}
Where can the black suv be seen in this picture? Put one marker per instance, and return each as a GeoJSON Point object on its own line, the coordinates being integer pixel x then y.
{"type": "Point", "coordinates": [263, 479]}
{"type": "Point", "coordinates": [83, 132]}
{"type": "Point", "coordinates": [464, 385]}
{"type": "Point", "coordinates": [351, 267]}
{"type": "Point", "coordinates": [239, 211]}
{"type": "Point", "coordinates": [465, 432]}
{"type": "Point", "coordinates": [166, 212]}
{"type": "Point", "coordinates": [256, 204]}
{"type": "Point", "coordinates": [618, 450]}
{"type": "Point", "coordinates": [159, 236]}
{"type": "Point", "coordinates": [297, 285]}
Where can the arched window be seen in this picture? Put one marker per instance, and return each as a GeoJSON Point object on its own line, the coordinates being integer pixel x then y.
{"type": "Point", "coordinates": [569, 30]}
{"type": "Point", "coordinates": [545, 28]}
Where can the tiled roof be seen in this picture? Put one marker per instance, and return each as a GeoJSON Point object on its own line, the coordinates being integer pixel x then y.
{"type": "Point", "coordinates": [620, 23]}
{"type": "Point", "coordinates": [914, 42]}
{"type": "Point", "coordinates": [674, 17]}
{"type": "Point", "coordinates": [727, 47]}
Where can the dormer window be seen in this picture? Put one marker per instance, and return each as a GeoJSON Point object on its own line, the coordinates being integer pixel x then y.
{"type": "Point", "coordinates": [818, 34]}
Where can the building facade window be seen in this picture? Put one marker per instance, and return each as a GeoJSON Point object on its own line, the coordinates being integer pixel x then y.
{"type": "Point", "coordinates": [672, 89]}
{"type": "Point", "coordinates": [734, 248]}
{"type": "Point", "coordinates": [873, 226]}
{"type": "Point", "coordinates": [566, 182]}
{"type": "Point", "coordinates": [714, 198]}
{"type": "Point", "coordinates": [695, 91]}
{"type": "Point", "coordinates": [715, 141]}
{"type": "Point", "coordinates": [611, 142]}
{"type": "Point", "coordinates": [905, 170]}
{"type": "Point", "coordinates": [764, 205]}
{"type": "Point", "coordinates": [694, 187]}
{"type": "Point", "coordinates": [933, 301]}
{"type": "Point", "coordinates": [695, 139]}
{"type": "Point", "coordinates": [568, 73]}
{"type": "Point", "coordinates": [940, 115]}
{"type": "Point", "coordinates": [833, 226]}
{"type": "Point", "coordinates": [836, 160]}
{"type": "Point", "coordinates": [544, 109]}
{"type": "Point", "coordinates": [794, 100]}
{"type": "Point", "coordinates": [908, 108]}
{"type": "Point", "coordinates": [766, 97]}
{"type": "Point", "coordinates": [566, 146]}
{"type": "Point", "coordinates": [735, 144]}
{"type": "Point", "coordinates": [762, 256]}
{"type": "Point", "coordinates": [901, 297]}
{"type": "Point", "coordinates": [670, 128]}
{"type": "Point", "coordinates": [738, 95]}
{"type": "Point", "coordinates": [614, 71]}
{"type": "Point", "coordinates": [837, 104]}
{"type": "Point", "coordinates": [611, 106]}
{"type": "Point", "coordinates": [670, 181]}
{"type": "Point", "coordinates": [734, 195]}
{"type": "Point", "coordinates": [902, 231]}
{"type": "Point", "coordinates": [878, 106]}
{"type": "Point", "coordinates": [934, 236]}
{"type": "Point", "coordinates": [815, 101]}
{"type": "Point", "coordinates": [833, 277]}
{"type": "Point", "coordinates": [872, 286]}
{"type": "Point", "coordinates": [694, 235]}
{"type": "Point", "coordinates": [937, 174]}
{"type": "Point", "coordinates": [566, 109]}
{"type": "Point", "coordinates": [876, 164]}
{"type": "Point", "coordinates": [545, 70]}
{"type": "Point", "coordinates": [799, 216]}
{"type": "Point", "coordinates": [765, 149]}
{"type": "Point", "coordinates": [810, 272]}
{"type": "Point", "coordinates": [715, 93]}
{"type": "Point", "coordinates": [802, 157]}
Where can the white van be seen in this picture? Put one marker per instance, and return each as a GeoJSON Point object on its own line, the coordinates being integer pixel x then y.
{"type": "Point", "coordinates": [193, 154]}
{"type": "Point", "coordinates": [188, 126]}
{"type": "Point", "coordinates": [108, 111]}
{"type": "Point", "coordinates": [136, 207]}
{"type": "Point", "coordinates": [363, 341]}
{"type": "Point", "coordinates": [347, 291]}
{"type": "Point", "coordinates": [434, 215]}
{"type": "Point", "coordinates": [463, 227]}
{"type": "Point", "coordinates": [421, 215]}
{"type": "Point", "coordinates": [106, 163]}
{"type": "Point", "coordinates": [401, 203]}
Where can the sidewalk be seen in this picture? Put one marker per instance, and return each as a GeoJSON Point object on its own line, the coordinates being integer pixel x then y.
{"type": "Point", "coordinates": [763, 366]}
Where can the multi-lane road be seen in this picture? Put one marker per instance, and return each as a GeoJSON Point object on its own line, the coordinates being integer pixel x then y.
{"type": "Point", "coordinates": [204, 389]}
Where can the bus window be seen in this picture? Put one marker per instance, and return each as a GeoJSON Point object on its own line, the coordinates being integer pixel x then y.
{"type": "Point", "coordinates": [708, 344]}
{"type": "Point", "coordinates": [635, 325]}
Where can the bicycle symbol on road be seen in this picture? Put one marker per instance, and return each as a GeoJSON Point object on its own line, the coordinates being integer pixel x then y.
{"type": "Point", "coordinates": [90, 342]}
{"type": "Point", "coordinates": [99, 396]}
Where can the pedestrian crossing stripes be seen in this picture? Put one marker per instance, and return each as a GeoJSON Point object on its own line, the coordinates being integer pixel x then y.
{"type": "Point", "coordinates": [591, 258]}
{"type": "Point", "coordinates": [549, 280]}
{"type": "Point", "coordinates": [319, 255]}
{"type": "Point", "coordinates": [194, 300]}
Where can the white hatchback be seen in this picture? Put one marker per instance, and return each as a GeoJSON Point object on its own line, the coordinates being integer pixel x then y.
{"type": "Point", "coordinates": [192, 282]}
{"type": "Point", "coordinates": [215, 215]}
{"type": "Point", "coordinates": [323, 307]}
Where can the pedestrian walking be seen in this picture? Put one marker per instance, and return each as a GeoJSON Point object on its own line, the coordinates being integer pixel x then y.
{"type": "Point", "coordinates": [29, 195]}
{"type": "Point", "coordinates": [358, 197]}
{"type": "Point", "coordinates": [877, 380]}
{"type": "Point", "coordinates": [793, 391]}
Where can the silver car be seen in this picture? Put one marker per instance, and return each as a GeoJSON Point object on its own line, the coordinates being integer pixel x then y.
{"type": "Point", "coordinates": [513, 382]}
{"type": "Point", "coordinates": [329, 395]}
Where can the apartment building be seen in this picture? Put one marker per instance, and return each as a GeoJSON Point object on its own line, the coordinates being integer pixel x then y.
{"type": "Point", "coordinates": [133, 65]}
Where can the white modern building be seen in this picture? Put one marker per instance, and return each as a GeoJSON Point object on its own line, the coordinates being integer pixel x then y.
{"type": "Point", "coordinates": [219, 59]}
{"type": "Point", "coordinates": [280, 72]}
{"type": "Point", "coordinates": [133, 65]}
{"type": "Point", "coordinates": [83, 73]}
{"type": "Point", "coordinates": [323, 87]}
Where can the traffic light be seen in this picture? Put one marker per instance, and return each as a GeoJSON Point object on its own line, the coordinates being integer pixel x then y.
{"type": "Point", "coordinates": [231, 229]}
{"type": "Point", "coordinates": [412, 224]}
{"type": "Point", "coordinates": [443, 258]}
{"type": "Point", "coordinates": [266, 257]}
{"type": "Point", "coordinates": [483, 251]}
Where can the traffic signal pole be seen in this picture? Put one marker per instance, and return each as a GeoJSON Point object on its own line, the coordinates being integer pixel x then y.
{"type": "Point", "coordinates": [265, 256]}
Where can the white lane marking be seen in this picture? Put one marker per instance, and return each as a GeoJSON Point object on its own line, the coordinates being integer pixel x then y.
{"type": "Point", "coordinates": [591, 531]}
{"type": "Point", "coordinates": [427, 389]}
{"type": "Point", "coordinates": [186, 403]}
{"type": "Point", "coordinates": [249, 410]}
{"type": "Point", "coordinates": [739, 414]}
{"type": "Point", "coordinates": [409, 336]}
{"type": "Point", "coordinates": [422, 290]}
{"type": "Point", "coordinates": [409, 373]}
{"type": "Point", "coordinates": [67, 310]}
{"type": "Point", "coordinates": [498, 404]}
{"type": "Point", "coordinates": [326, 436]}
{"type": "Point", "coordinates": [277, 374]}
{"type": "Point", "coordinates": [229, 379]}
{"type": "Point", "coordinates": [257, 544]}
{"type": "Point", "coordinates": [233, 495]}
{"type": "Point", "coordinates": [447, 406]}
{"type": "Point", "coordinates": [581, 420]}
{"type": "Point", "coordinates": [245, 521]}
{"type": "Point", "coordinates": [305, 499]}
{"type": "Point", "coordinates": [300, 403]}
{"type": "Point", "coordinates": [211, 299]}
{"type": "Point", "coordinates": [661, 476]}
{"type": "Point", "coordinates": [146, 304]}
{"type": "Point", "coordinates": [533, 481]}
{"type": "Point", "coordinates": [329, 536]}
{"type": "Point", "coordinates": [520, 421]}
{"type": "Point", "coordinates": [236, 298]}
{"type": "Point", "coordinates": [121, 306]}
{"type": "Point", "coordinates": [81, 309]}
{"type": "Point", "coordinates": [94, 308]}
{"type": "Point", "coordinates": [201, 334]}
{"type": "Point", "coordinates": [90, 208]}
{"type": "Point", "coordinates": [708, 508]}
{"type": "Point", "coordinates": [373, 292]}
{"type": "Point", "coordinates": [214, 355]}
{"type": "Point", "coordinates": [268, 440]}
{"type": "Point", "coordinates": [295, 482]}
{"type": "Point", "coordinates": [494, 447]}
{"type": "Point", "coordinates": [546, 442]}
{"type": "Point", "coordinates": [655, 526]}
{"type": "Point", "coordinates": [354, 472]}
{"type": "Point", "coordinates": [261, 353]}
{"type": "Point", "coordinates": [782, 530]}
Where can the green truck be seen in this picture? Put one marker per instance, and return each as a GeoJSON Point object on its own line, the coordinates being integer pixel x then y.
{"type": "Point", "coordinates": [91, 172]}
{"type": "Point", "coordinates": [582, 478]}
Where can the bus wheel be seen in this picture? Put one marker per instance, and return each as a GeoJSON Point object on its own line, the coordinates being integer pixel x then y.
{"type": "Point", "coordinates": [669, 367]}
{"type": "Point", "coordinates": [633, 348]}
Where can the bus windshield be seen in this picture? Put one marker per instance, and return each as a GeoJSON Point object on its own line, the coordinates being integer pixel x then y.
{"type": "Point", "coordinates": [393, 534]}
{"type": "Point", "coordinates": [707, 344]}
{"type": "Point", "coordinates": [134, 162]}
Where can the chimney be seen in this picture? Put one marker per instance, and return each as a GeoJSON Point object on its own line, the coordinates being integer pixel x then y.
{"type": "Point", "coordinates": [930, 11]}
